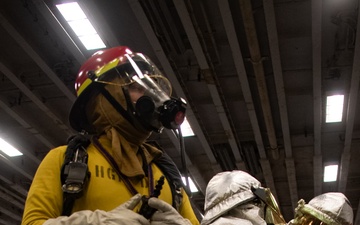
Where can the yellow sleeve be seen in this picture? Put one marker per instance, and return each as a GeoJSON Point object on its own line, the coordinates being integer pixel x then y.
{"type": "Point", "coordinates": [186, 209]}
{"type": "Point", "coordinates": [44, 199]}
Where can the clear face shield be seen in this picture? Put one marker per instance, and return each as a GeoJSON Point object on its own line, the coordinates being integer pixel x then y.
{"type": "Point", "coordinates": [147, 91]}
{"type": "Point", "coordinates": [272, 212]}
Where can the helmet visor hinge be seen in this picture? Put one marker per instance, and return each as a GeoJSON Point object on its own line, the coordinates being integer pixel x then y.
{"type": "Point", "coordinates": [91, 75]}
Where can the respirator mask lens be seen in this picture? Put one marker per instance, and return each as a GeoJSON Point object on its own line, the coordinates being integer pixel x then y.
{"type": "Point", "coordinates": [155, 106]}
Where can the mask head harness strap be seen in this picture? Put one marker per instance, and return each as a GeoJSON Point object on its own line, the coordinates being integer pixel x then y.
{"type": "Point", "coordinates": [111, 99]}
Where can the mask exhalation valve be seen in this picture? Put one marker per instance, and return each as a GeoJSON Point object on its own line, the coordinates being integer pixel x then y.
{"type": "Point", "coordinates": [172, 113]}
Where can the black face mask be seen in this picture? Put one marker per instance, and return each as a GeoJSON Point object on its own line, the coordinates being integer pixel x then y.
{"type": "Point", "coordinates": [170, 114]}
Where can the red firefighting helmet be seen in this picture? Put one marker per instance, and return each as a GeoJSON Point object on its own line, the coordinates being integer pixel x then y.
{"type": "Point", "coordinates": [98, 70]}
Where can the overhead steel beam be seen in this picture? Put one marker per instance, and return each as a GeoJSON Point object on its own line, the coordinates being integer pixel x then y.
{"type": "Point", "coordinates": [29, 128]}
{"type": "Point", "coordinates": [204, 66]}
{"type": "Point", "coordinates": [280, 91]}
{"type": "Point", "coordinates": [18, 189]}
{"type": "Point", "coordinates": [350, 118]}
{"type": "Point", "coordinates": [256, 59]}
{"type": "Point", "coordinates": [14, 186]}
{"type": "Point", "coordinates": [268, 176]}
{"type": "Point", "coordinates": [36, 57]}
{"type": "Point", "coordinates": [316, 14]}
{"type": "Point", "coordinates": [146, 26]}
{"type": "Point", "coordinates": [12, 215]}
{"type": "Point", "coordinates": [15, 167]}
{"type": "Point", "coordinates": [13, 195]}
{"type": "Point", "coordinates": [173, 29]}
{"type": "Point", "coordinates": [241, 72]}
{"type": "Point", "coordinates": [5, 222]}
{"type": "Point", "coordinates": [60, 30]}
{"type": "Point", "coordinates": [12, 200]}
{"type": "Point", "coordinates": [278, 74]}
{"type": "Point", "coordinates": [23, 88]}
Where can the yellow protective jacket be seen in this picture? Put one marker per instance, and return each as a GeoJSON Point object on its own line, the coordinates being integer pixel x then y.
{"type": "Point", "coordinates": [104, 191]}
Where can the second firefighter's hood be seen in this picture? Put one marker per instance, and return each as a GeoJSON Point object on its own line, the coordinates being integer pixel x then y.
{"type": "Point", "coordinates": [226, 191]}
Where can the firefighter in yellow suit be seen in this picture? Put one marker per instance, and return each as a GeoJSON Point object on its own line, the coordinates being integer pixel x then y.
{"type": "Point", "coordinates": [122, 99]}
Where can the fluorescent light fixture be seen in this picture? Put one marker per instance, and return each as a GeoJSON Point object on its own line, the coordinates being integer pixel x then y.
{"type": "Point", "coordinates": [92, 42]}
{"type": "Point", "coordinates": [193, 188]}
{"type": "Point", "coordinates": [334, 108]}
{"type": "Point", "coordinates": [186, 130]}
{"type": "Point", "coordinates": [81, 25]}
{"type": "Point", "coordinates": [71, 11]}
{"type": "Point", "coordinates": [8, 149]}
{"type": "Point", "coordinates": [330, 173]}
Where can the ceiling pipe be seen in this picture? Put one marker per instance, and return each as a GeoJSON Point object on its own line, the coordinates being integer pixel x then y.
{"type": "Point", "coordinates": [210, 32]}
{"type": "Point", "coordinates": [172, 27]}
{"type": "Point", "coordinates": [256, 59]}
{"type": "Point", "coordinates": [316, 14]}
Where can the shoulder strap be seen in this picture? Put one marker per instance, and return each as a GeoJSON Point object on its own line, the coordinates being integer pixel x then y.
{"type": "Point", "coordinates": [74, 171]}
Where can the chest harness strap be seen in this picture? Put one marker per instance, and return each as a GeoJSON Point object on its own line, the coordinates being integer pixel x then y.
{"type": "Point", "coordinates": [124, 178]}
